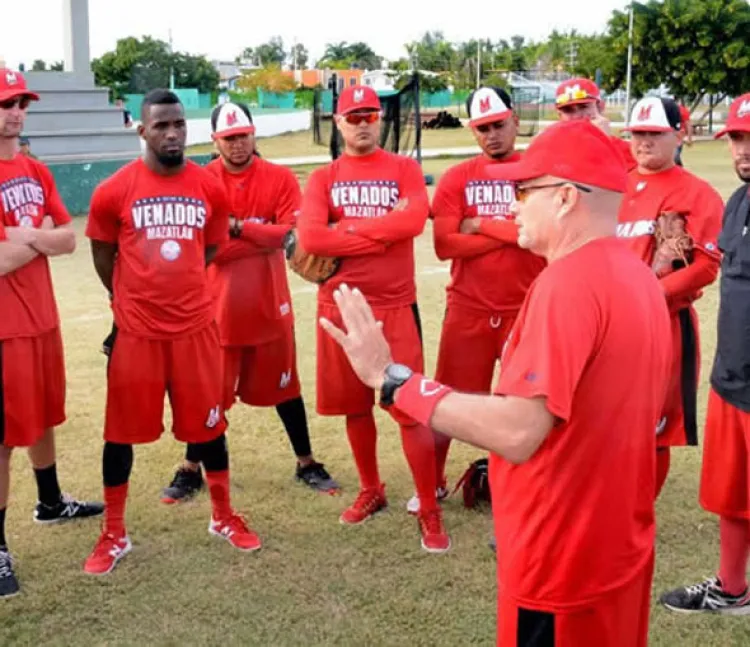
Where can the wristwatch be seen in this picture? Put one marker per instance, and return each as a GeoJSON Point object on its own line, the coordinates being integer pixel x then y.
{"type": "Point", "coordinates": [395, 376]}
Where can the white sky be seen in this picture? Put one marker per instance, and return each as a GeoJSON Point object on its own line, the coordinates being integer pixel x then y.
{"type": "Point", "coordinates": [221, 29]}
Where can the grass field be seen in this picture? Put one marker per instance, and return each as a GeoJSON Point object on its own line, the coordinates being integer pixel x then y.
{"type": "Point", "coordinates": [314, 582]}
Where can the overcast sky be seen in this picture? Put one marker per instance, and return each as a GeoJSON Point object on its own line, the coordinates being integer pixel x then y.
{"type": "Point", "coordinates": [220, 30]}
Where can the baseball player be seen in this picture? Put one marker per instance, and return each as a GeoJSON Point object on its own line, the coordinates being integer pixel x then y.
{"type": "Point", "coordinates": [570, 426]}
{"type": "Point", "coordinates": [154, 226]}
{"type": "Point", "coordinates": [580, 98]}
{"type": "Point", "coordinates": [367, 207]}
{"type": "Point", "coordinates": [254, 307]}
{"type": "Point", "coordinates": [655, 187]}
{"type": "Point", "coordinates": [490, 274]}
{"type": "Point", "coordinates": [725, 478]}
{"type": "Point", "coordinates": [34, 225]}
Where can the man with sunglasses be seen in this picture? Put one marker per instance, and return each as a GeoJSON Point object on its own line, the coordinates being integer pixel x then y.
{"type": "Point", "coordinates": [366, 207]}
{"type": "Point", "coordinates": [580, 98]}
{"type": "Point", "coordinates": [34, 225]}
{"type": "Point", "coordinates": [659, 186]}
{"type": "Point", "coordinates": [253, 304]}
{"type": "Point", "coordinates": [474, 227]}
{"type": "Point", "coordinates": [570, 425]}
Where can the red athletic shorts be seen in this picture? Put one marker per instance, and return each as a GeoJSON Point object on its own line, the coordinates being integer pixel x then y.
{"type": "Point", "coordinates": [142, 371]}
{"type": "Point", "coordinates": [263, 375]}
{"type": "Point", "coordinates": [725, 475]}
{"type": "Point", "coordinates": [679, 423]}
{"type": "Point", "coordinates": [32, 392]}
{"type": "Point", "coordinates": [470, 345]}
{"type": "Point", "coordinates": [619, 619]}
{"type": "Point", "coordinates": [339, 390]}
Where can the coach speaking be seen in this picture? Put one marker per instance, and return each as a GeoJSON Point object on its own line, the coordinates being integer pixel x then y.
{"type": "Point", "coordinates": [571, 426]}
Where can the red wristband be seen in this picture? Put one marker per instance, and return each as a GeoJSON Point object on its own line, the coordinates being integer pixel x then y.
{"type": "Point", "coordinates": [418, 397]}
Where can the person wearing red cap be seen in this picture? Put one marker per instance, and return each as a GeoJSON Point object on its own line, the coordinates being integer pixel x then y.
{"type": "Point", "coordinates": [34, 226]}
{"type": "Point", "coordinates": [253, 304]}
{"type": "Point", "coordinates": [725, 476]}
{"type": "Point", "coordinates": [657, 186]}
{"type": "Point", "coordinates": [580, 98]}
{"type": "Point", "coordinates": [570, 425]}
{"type": "Point", "coordinates": [366, 207]}
{"type": "Point", "coordinates": [154, 226]}
{"type": "Point", "coordinates": [490, 273]}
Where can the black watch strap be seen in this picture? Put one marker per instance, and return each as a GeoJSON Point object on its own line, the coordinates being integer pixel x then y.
{"type": "Point", "coordinates": [395, 376]}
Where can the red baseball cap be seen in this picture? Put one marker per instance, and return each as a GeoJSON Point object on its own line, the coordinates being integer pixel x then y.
{"type": "Point", "coordinates": [357, 97]}
{"type": "Point", "coordinates": [572, 150]}
{"type": "Point", "coordinates": [576, 91]}
{"type": "Point", "coordinates": [12, 85]}
{"type": "Point", "coordinates": [738, 119]}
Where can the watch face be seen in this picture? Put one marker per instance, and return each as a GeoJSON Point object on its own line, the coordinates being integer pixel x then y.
{"type": "Point", "coordinates": [399, 372]}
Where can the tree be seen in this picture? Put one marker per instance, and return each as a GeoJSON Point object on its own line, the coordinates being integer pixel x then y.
{"type": "Point", "coordinates": [344, 56]}
{"type": "Point", "coordinates": [269, 78]}
{"type": "Point", "coordinates": [270, 53]}
{"type": "Point", "coordinates": [299, 56]}
{"type": "Point", "coordinates": [432, 53]}
{"type": "Point", "coordinates": [41, 66]}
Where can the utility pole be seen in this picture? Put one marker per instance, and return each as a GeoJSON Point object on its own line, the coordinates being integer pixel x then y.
{"type": "Point", "coordinates": [171, 62]}
{"type": "Point", "coordinates": [479, 62]}
{"type": "Point", "coordinates": [630, 67]}
{"type": "Point", "coordinates": [572, 56]}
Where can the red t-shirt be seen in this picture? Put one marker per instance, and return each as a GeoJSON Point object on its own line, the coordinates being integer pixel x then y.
{"type": "Point", "coordinates": [675, 189]}
{"type": "Point", "coordinates": [347, 212]}
{"type": "Point", "coordinates": [684, 118]}
{"type": "Point", "coordinates": [28, 194]}
{"type": "Point", "coordinates": [161, 226]}
{"type": "Point", "coordinates": [248, 276]}
{"type": "Point", "coordinates": [577, 519]}
{"type": "Point", "coordinates": [486, 274]}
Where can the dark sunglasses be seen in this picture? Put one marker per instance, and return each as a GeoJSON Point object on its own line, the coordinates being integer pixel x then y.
{"type": "Point", "coordinates": [22, 102]}
{"type": "Point", "coordinates": [356, 118]}
{"type": "Point", "coordinates": [522, 192]}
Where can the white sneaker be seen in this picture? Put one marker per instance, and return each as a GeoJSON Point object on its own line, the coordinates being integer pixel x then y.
{"type": "Point", "coordinates": [412, 505]}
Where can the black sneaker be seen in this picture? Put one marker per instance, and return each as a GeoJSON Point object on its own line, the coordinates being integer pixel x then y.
{"type": "Point", "coordinates": [493, 544]}
{"type": "Point", "coordinates": [184, 486]}
{"type": "Point", "coordinates": [315, 476]}
{"type": "Point", "coordinates": [65, 509]}
{"type": "Point", "coordinates": [706, 597]}
{"type": "Point", "coordinates": [8, 582]}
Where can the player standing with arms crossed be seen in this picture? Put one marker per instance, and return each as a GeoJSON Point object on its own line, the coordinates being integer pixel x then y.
{"type": "Point", "coordinates": [34, 225]}
{"type": "Point", "coordinates": [254, 307]}
{"type": "Point", "coordinates": [367, 207]}
{"type": "Point", "coordinates": [571, 423]}
{"type": "Point", "coordinates": [154, 226]}
{"type": "Point", "coordinates": [655, 187]}
{"type": "Point", "coordinates": [725, 478]}
{"type": "Point", "coordinates": [474, 227]}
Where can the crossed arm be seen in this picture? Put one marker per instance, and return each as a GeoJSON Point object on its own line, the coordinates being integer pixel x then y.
{"type": "Point", "coordinates": [23, 244]}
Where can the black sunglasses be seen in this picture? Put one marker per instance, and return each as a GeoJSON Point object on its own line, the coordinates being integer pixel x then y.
{"type": "Point", "coordinates": [22, 102]}
{"type": "Point", "coordinates": [522, 192]}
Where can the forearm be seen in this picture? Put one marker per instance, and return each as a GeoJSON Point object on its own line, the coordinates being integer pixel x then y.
{"type": "Point", "coordinates": [394, 227]}
{"type": "Point", "coordinates": [505, 231]}
{"type": "Point", "coordinates": [264, 235]}
{"type": "Point", "coordinates": [55, 242]}
{"type": "Point", "coordinates": [235, 250]}
{"type": "Point", "coordinates": [14, 256]}
{"type": "Point", "coordinates": [324, 241]}
{"type": "Point", "coordinates": [692, 278]}
{"type": "Point", "coordinates": [456, 245]}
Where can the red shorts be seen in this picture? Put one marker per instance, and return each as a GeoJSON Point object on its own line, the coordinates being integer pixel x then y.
{"type": "Point", "coordinates": [725, 475]}
{"type": "Point", "coordinates": [32, 392]}
{"type": "Point", "coordinates": [339, 390]}
{"type": "Point", "coordinates": [263, 375]}
{"type": "Point", "coordinates": [679, 424]}
{"type": "Point", "coordinates": [619, 619]}
{"type": "Point", "coordinates": [142, 371]}
{"type": "Point", "coordinates": [470, 345]}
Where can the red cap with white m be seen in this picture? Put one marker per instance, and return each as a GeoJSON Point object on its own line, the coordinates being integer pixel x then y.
{"type": "Point", "coordinates": [738, 119]}
{"type": "Point", "coordinates": [12, 85]}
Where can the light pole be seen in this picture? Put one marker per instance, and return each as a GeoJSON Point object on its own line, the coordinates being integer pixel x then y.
{"type": "Point", "coordinates": [630, 67]}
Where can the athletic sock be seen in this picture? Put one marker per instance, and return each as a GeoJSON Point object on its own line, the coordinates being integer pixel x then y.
{"type": "Point", "coordinates": [419, 448]}
{"type": "Point", "coordinates": [47, 485]}
{"type": "Point", "coordinates": [218, 487]}
{"type": "Point", "coordinates": [294, 418]}
{"type": "Point", "coordinates": [363, 439]}
{"type": "Point", "coordinates": [114, 509]}
{"type": "Point", "coordinates": [442, 445]}
{"type": "Point", "coordinates": [734, 541]}
{"type": "Point", "coordinates": [663, 459]}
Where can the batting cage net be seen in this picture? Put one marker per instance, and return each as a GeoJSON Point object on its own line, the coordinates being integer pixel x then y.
{"type": "Point", "coordinates": [527, 104]}
{"type": "Point", "coordinates": [401, 130]}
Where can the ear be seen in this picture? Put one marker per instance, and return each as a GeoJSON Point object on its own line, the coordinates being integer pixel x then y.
{"type": "Point", "coordinates": [141, 130]}
{"type": "Point", "coordinates": [566, 199]}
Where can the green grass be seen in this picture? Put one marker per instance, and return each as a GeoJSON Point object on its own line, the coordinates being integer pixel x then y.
{"type": "Point", "coordinates": [315, 582]}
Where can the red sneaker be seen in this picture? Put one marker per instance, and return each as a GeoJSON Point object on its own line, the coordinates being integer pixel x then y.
{"type": "Point", "coordinates": [108, 551]}
{"type": "Point", "coordinates": [236, 531]}
{"type": "Point", "coordinates": [434, 537]}
{"type": "Point", "coordinates": [367, 503]}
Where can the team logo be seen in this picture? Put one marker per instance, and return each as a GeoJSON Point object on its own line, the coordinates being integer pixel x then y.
{"type": "Point", "coordinates": [26, 221]}
{"type": "Point", "coordinates": [359, 96]}
{"type": "Point", "coordinates": [429, 387]}
{"type": "Point", "coordinates": [285, 309]}
{"type": "Point", "coordinates": [640, 186]}
{"type": "Point", "coordinates": [286, 378]}
{"type": "Point", "coordinates": [214, 416]}
{"type": "Point", "coordinates": [231, 118]}
{"type": "Point", "coordinates": [743, 110]}
{"type": "Point", "coordinates": [644, 114]}
{"type": "Point", "coordinates": [11, 78]}
{"type": "Point", "coordinates": [170, 250]}
{"type": "Point", "coordinates": [484, 105]}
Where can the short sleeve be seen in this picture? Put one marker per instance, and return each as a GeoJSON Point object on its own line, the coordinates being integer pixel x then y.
{"type": "Point", "coordinates": [55, 206]}
{"type": "Point", "coordinates": [289, 198]}
{"type": "Point", "coordinates": [217, 226]}
{"type": "Point", "coordinates": [3, 235]}
{"type": "Point", "coordinates": [551, 345]}
{"type": "Point", "coordinates": [104, 214]}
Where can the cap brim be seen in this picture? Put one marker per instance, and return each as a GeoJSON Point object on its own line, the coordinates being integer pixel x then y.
{"type": "Point", "coordinates": [513, 171]}
{"type": "Point", "coordinates": [649, 129]}
{"type": "Point", "coordinates": [12, 94]}
{"type": "Point", "coordinates": [360, 108]}
{"type": "Point", "coordinates": [577, 102]}
{"type": "Point", "coordinates": [490, 119]}
{"type": "Point", "coordinates": [244, 130]}
{"type": "Point", "coordinates": [745, 128]}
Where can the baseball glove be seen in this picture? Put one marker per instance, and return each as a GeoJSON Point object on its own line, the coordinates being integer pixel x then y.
{"type": "Point", "coordinates": [674, 246]}
{"type": "Point", "coordinates": [316, 269]}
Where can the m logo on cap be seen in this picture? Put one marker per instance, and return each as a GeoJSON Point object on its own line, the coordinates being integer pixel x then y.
{"type": "Point", "coordinates": [359, 95]}
{"type": "Point", "coordinates": [744, 110]}
{"type": "Point", "coordinates": [645, 113]}
{"type": "Point", "coordinates": [231, 118]}
{"type": "Point", "coordinates": [484, 105]}
{"type": "Point", "coordinates": [11, 78]}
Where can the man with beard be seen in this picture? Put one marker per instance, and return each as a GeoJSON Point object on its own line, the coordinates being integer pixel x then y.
{"type": "Point", "coordinates": [725, 478]}
{"type": "Point", "coordinates": [254, 307]}
{"type": "Point", "coordinates": [34, 226]}
{"type": "Point", "coordinates": [154, 226]}
{"type": "Point", "coordinates": [655, 187]}
{"type": "Point", "coordinates": [490, 273]}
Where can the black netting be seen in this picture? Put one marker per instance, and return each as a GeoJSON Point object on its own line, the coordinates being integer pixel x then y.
{"type": "Point", "coordinates": [527, 104]}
